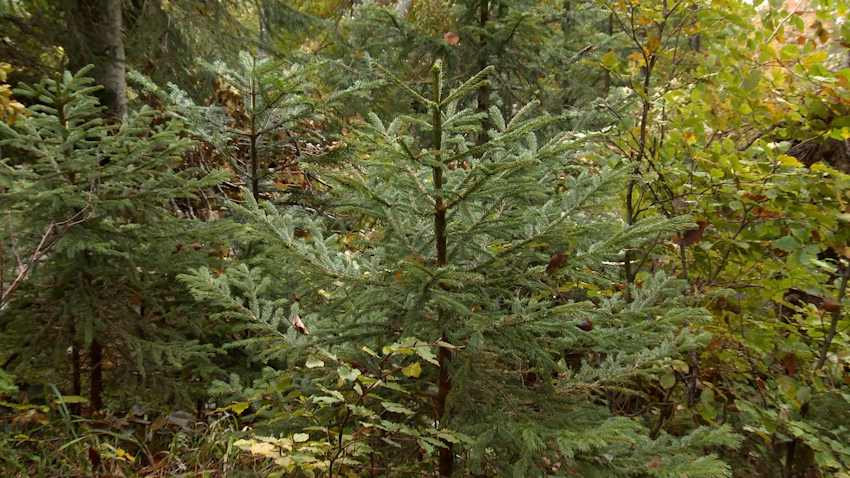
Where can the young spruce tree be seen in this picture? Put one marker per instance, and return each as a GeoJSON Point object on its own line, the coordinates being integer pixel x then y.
{"type": "Point", "coordinates": [469, 323]}
{"type": "Point", "coordinates": [102, 311]}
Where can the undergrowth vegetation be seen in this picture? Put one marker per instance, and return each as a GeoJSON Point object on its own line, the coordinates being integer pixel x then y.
{"type": "Point", "coordinates": [434, 238]}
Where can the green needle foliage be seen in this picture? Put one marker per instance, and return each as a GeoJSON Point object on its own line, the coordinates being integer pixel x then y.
{"type": "Point", "coordinates": [445, 266]}
{"type": "Point", "coordinates": [101, 309]}
{"type": "Point", "coordinates": [268, 121]}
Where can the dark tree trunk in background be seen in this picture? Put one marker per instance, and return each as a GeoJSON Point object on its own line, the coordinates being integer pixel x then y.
{"type": "Point", "coordinates": [610, 32]}
{"type": "Point", "coordinates": [96, 377]}
{"type": "Point", "coordinates": [696, 40]}
{"type": "Point", "coordinates": [76, 372]}
{"type": "Point", "coordinates": [95, 37]}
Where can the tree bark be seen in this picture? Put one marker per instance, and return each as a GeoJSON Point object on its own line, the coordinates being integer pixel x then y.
{"type": "Point", "coordinates": [76, 371]}
{"type": "Point", "coordinates": [95, 37]}
{"type": "Point", "coordinates": [402, 7]}
{"type": "Point", "coordinates": [96, 376]}
{"type": "Point", "coordinates": [566, 19]}
{"type": "Point", "coordinates": [483, 56]}
{"type": "Point", "coordinates": [446, 459]}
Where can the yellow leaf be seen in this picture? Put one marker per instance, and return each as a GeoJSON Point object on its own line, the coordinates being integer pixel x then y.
{"type": "Point", "coordinates": [261, 448]}
{"type": "Point", "coordinates": [5, 69]}
{"type": "Point", "coordinates": [126, 456]}
{"type": "Point", "coordinates": [654, 44]}
{"type": "Point", "coordinates": [786, 160]}
{"type": "Point", "coordinates": [412, 370]}
{"type": "Point", "coordinates": [815, 58]}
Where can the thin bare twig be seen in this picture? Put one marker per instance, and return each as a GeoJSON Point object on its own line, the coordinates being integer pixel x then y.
{"type": "Point", "coordinates": [836, 315]}
{"type": "Point", "coordinates": [49, 238]}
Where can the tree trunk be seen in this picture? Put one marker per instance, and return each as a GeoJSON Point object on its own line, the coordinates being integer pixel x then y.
{"type": "Point", "coordinates": [95, 37]}
{"type": "Point", "coordinates": [484, 91]}
{"type": "Point", "coordinates": [566, 19]}
{"type": "Point", "coordinates": [446, 460]}
{"type": "Point", "coordinates": [403, 7]}
{"type": "Point", "coordinates": [76, 372]}
{"type": "Point", "coordinates": [96, 377]}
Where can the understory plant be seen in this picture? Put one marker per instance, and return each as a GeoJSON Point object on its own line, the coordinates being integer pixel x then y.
{"type": "Point", "coordinates": [470, 320]}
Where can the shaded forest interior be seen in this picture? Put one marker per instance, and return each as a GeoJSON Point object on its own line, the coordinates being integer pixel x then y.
{"type": "Point", "coordinates": [444, 238]}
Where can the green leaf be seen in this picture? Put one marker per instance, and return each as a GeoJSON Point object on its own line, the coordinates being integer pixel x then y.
{"type": "Point", "coordinates": [609, 59]}
{"type": "Point", "coordinates": [427, 355]}
{"type": "Point", "coordinates": [789, 52]}
{"type": "Point", "coordinates": [347, 373]}
{"type": "Point", "coordinates": [706, 411]}
{"type": "Point", "coordinates": [300, 437]}
{"type": "Point", "coordinates": [412, 370]}
{"type": "Point", "coordinates": [788, 244]}
{"type": "Point", "coordinates": [72, 399]}
{"type": "Point", "coordinates": [396, 408]}
{"type": "Point", "coordinates": [314, 363]}
{"type": "Point", "coordinates": [425, 445]}
{"type": "Point", "coordinates": [240, 407]}
{"type": "Point", "coordinates": [804, 394]}
{"type": "Point", "coordinates": [679, 366]}
{"type": "Point", "coordinates": [668, 380]}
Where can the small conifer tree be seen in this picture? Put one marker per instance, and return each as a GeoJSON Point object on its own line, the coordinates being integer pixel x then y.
{"type": "Point", "coordinates": [269, 118]}
{"type": "Point", "coordinates": [477, 286]}
{"type": "Point", "coordinates": [102, 311]}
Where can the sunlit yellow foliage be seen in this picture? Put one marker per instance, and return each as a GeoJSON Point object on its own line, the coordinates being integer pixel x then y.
{"type": "Point", "coordinates": [9, 108]}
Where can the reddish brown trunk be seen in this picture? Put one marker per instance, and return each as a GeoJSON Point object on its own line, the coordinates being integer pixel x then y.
{"type": "Point", "coordinates": [444, 383]}
{"type": "Point", "coordinates": [484, 91]}
{"type": "Point", "coordinates": [447, 457]}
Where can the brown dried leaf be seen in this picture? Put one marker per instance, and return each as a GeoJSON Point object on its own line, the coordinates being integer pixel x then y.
{"type": "Point", "coordinates": [557, 261]}
{"type": "Point", "coordinates": [94, 458]}
{"type": "Point", "coordinates": [299, 325]}
{"type": "Point", "coordinates": [792, 363]}
{"type": "Point", "coordinates": [695, 235]}
{"type": "Point", "coordinates": [831, 305]}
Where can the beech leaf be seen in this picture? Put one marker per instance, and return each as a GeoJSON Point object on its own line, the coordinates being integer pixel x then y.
{"type": "Point", "coordinates": [412, 370]}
